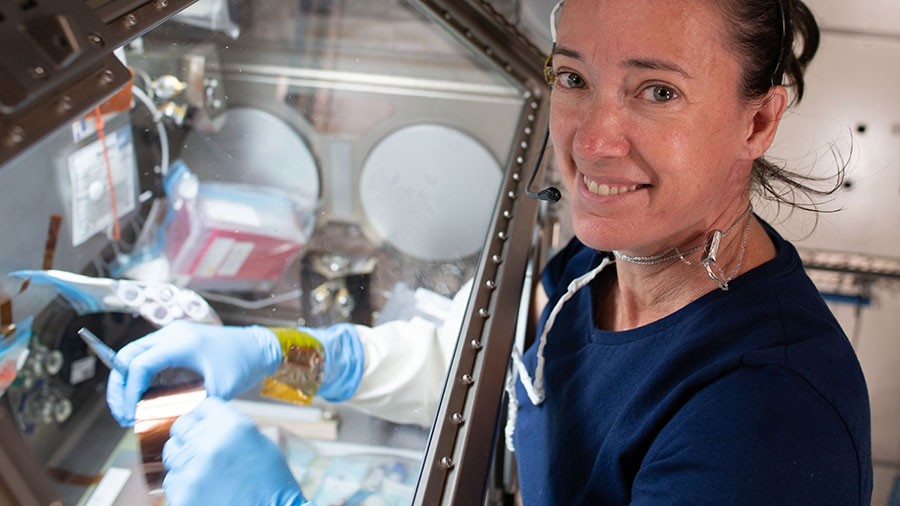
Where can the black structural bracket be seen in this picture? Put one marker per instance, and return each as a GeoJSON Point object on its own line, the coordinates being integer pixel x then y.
{"type": "Point", "coordinates": [56, 61]}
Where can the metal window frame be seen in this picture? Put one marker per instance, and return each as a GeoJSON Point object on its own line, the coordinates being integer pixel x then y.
{"type": "Point", "coordinates": [460, 448]}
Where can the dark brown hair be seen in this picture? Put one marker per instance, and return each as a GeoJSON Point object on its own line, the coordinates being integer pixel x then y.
{"type": "Point", "coordinates": [777, 39]}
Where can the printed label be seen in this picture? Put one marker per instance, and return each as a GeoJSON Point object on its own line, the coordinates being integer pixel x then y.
{"type": "Point", "coordinates": [235, 259]}
{"type": "Point", "coordinates": [83, 369]}
{"type": "Point", "coordinates": [91, 202]}
{"type": "Point", "coordinates": [215, 254]}
{"type": "Point", "coordinates": [83, 128]}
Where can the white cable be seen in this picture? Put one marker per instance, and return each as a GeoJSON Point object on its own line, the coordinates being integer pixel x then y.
{"type": "Point", "coordinates": [512, 410]}
{"type": "Point", "coordinates": [553, 20]}
{"type": "Point", "coordinates": [574, 286]}
{"type": "Point", "coordinates": [512, 406]}
{"type": "Point", "coordinates": [535, 390]}
{"type": "Point", "coordinates": [254, 304]}
{"type": "Point", "coordinates": [157, 119]}
{"type": "Point", "coordinates": [536, 395]}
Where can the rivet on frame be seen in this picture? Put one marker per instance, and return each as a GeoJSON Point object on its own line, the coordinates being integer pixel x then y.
{"type": "Point", "coordinates": [527, 130]}
{"type": "Point", "coordinates": [467, 379]}
{"type": "Point", "coordinates": [16, 135]}
{"type": "Point", "coordinates": [502, 235]}
{"type": "Point", "coordinates": [511, 195]}
{"type": "Point", "coordinates": [520, 160]}
{"type": "Point", "coordinates": [107, 77]}
{"type": "Point", "coordinates": [490, 284]}
{"type": "Point", "coordinates": [516, 176]}
{"type": "Point", "coordinates": [524, 144]}
{"type": "Point", "coordinates": [64, 104]}
{"type": "Point", "coordinates": [483, 313]}
{"type": "Point", "coordinates": [488, 51]}
{"type": "Point", "coordinates": [457, 418]}
{"type": "Point", "coordinates": [130, 20]}
{"type": "Point", "coordinates": [37, 72]}
{"type": "Point", "coordinates": [468, 34]}
{"type": "Point", "coordinates": [497, 259]}
{"type": "Point", "coordinates": [446, 462]}
{"type": "Point", "coordinates": [531, 118]}
{"type": "Point", "coordinates": [475, 344]}
{"type": "Point", "coordinates": [534, 105]}
{"type": "Point", "coordinates": [507, 214]}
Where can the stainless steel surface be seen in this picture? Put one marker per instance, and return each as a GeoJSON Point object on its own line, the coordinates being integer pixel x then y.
{"type": "Point", "coordinates": [251, 144]}
{"type": "Point", "coordinates": [448, 180]}
{"type": "Point", "coordinates": [342, 95]}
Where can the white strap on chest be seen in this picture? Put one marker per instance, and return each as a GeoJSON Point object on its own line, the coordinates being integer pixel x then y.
{"type": "Point", "coordinates": [535, 389]}
{"type": "Point", "coordinates": [577, 284]}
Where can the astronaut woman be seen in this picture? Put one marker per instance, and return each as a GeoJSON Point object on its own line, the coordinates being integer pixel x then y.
{"type": "Point", "coordinates": [695, 364]}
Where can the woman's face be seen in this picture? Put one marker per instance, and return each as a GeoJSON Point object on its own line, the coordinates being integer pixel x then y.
{"type": "Point", "coordinates": [648, 126]}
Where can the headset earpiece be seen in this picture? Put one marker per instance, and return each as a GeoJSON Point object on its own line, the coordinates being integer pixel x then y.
{"type": "Point", "coordinates": [549, 74]}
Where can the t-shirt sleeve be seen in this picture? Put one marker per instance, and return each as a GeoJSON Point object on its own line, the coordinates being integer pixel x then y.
{"type": "Point", "coordinates": [760, 435]}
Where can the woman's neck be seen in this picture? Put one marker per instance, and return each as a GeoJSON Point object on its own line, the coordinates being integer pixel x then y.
{"type": "Point", "coordinates": [641, 294]}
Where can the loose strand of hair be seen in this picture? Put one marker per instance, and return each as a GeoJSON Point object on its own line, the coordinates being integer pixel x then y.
{"type": "Point", "coordinates": [782, 186]}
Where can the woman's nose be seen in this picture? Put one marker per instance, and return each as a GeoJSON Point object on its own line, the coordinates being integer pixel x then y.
{"type": "Point", "coordinates": [600, 132]}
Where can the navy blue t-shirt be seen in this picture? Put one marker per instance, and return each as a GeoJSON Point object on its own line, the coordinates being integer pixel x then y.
{"type": "Point", "coordinates": [752, 396]}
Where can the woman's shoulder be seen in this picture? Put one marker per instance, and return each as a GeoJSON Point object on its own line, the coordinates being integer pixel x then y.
{"type": "Point", "coordinates": [764, 430]}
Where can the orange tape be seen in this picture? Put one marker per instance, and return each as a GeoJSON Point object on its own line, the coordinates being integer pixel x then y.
{"type": "Point", "coordinates": [50, 245]}
{"type": "Point", "coordinates": [5, 311]}
{"type": "Point", "coordinates": [6, 324]}
{"type": "Point", "coordinates": [70, 478]}
{"type": "Point", "coordinates": [121, 101]}
{"type": "Point", "coordinates": [117, 233]}
{"type": "Point", "coordinates": [25, 284]}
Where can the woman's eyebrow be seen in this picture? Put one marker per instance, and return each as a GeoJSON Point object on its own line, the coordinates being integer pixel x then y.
{"type": "Point", "coordinates": [564, 51]}
{"type": "Point", "coordinates": [655, 65]}
{"type": "Point", "coordinates": [643, 63]}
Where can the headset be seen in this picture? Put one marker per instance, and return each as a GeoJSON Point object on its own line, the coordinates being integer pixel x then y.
{"type": "Point", "coordinates": [549, 193]}
{"type": "Point", "coordinates": [552, 193]}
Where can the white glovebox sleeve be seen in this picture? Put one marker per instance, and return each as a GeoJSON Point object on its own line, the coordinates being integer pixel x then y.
{"type": "Point", "coordinates": [406, 364]}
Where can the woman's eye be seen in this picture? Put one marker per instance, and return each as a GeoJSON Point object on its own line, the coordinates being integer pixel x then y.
{"type": "Point", "coordinates": [569, 80]}
{"type": "Point", "coordinates": [660, 93]}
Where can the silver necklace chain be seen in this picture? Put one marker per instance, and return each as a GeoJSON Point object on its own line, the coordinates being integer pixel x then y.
{"type": "Point", "coordinates": [709, 260]}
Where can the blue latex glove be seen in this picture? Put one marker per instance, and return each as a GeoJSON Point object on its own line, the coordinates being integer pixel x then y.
{"type": "Point", "coordinates": [230, 359]}
{"type": "Point", "coordinates": [344, 361]}
{"type": "Point", "coordinates": [216, 456]}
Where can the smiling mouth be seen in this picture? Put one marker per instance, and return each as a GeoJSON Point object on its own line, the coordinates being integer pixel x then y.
{"type": "Point", "coordinates": [604, 190]}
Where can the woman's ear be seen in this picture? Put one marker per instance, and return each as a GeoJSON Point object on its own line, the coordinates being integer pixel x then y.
{"type": "Point", "coordinates": [764, 122]}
